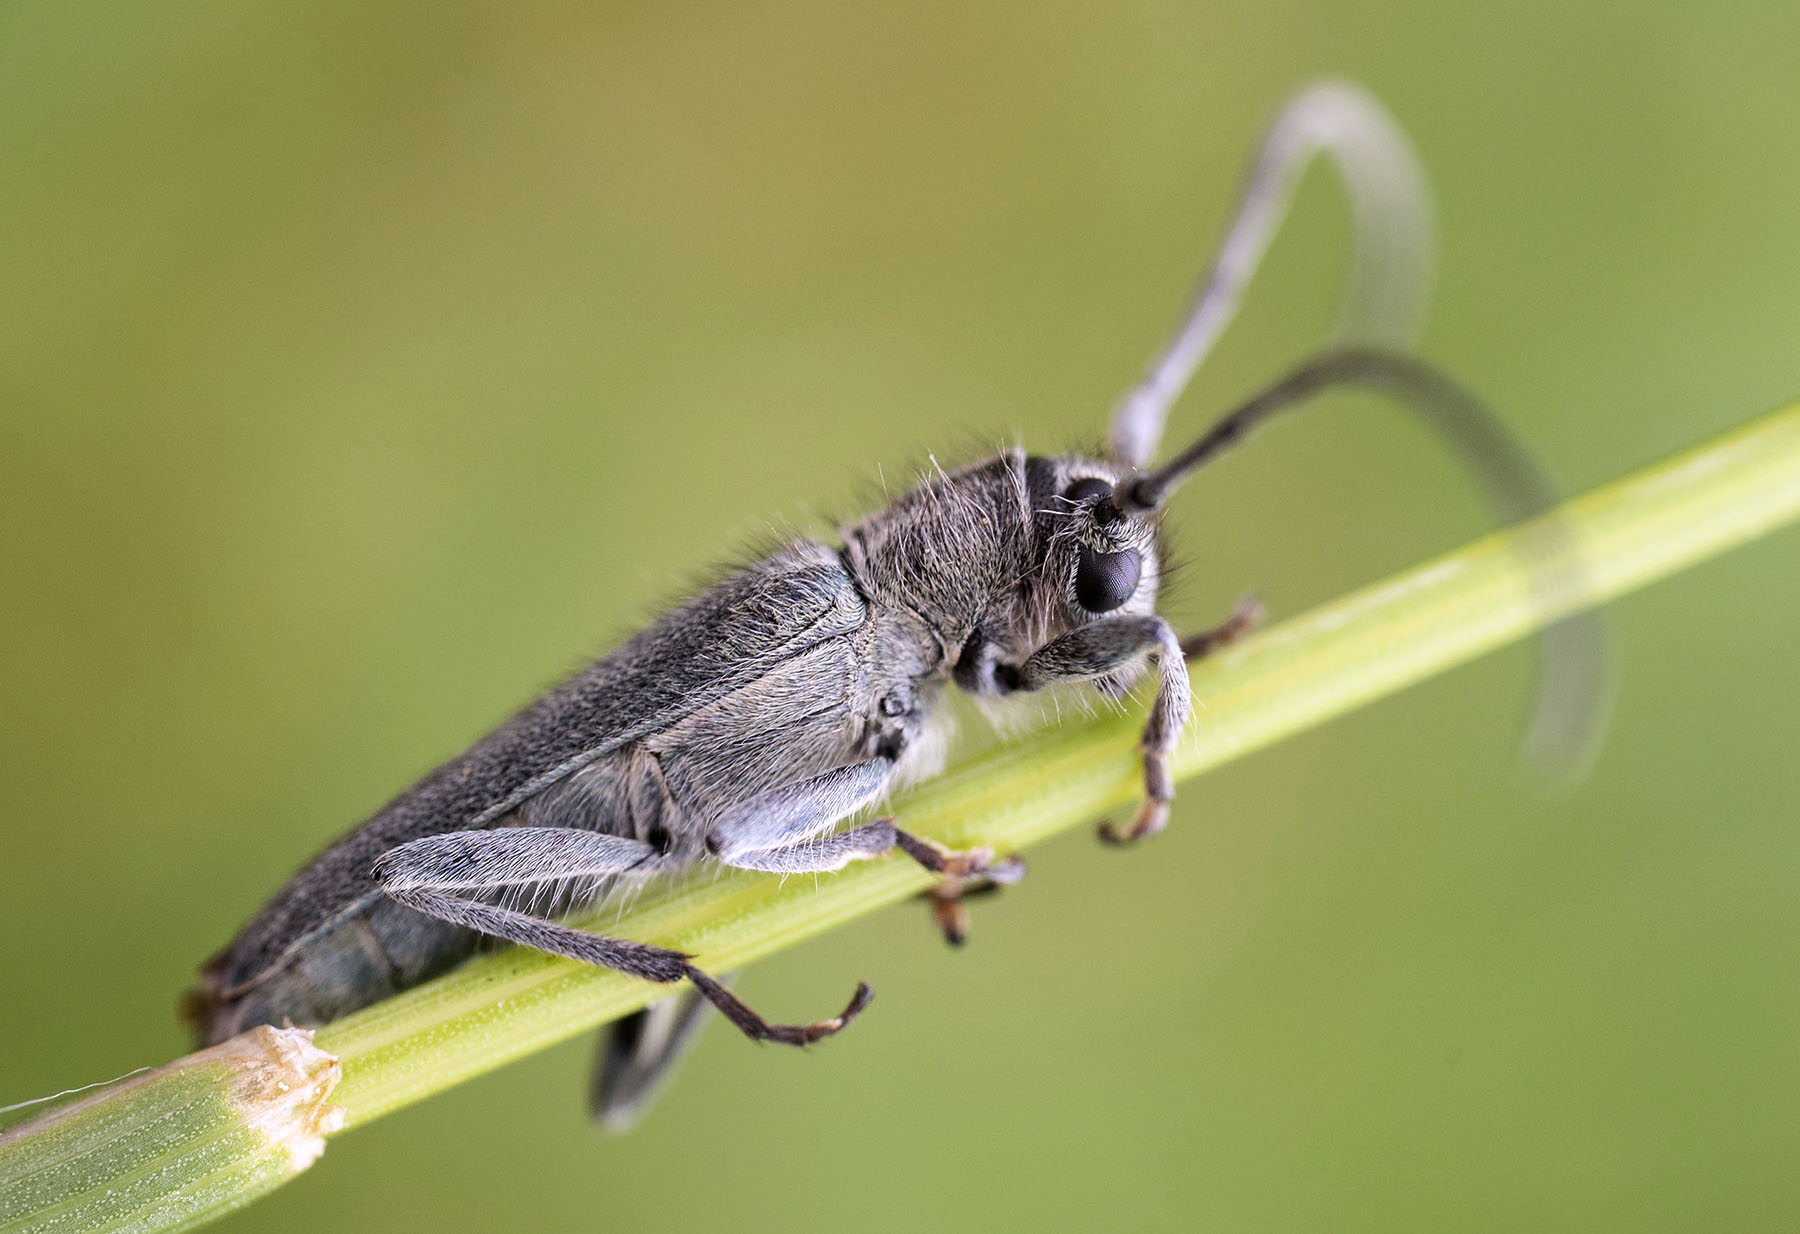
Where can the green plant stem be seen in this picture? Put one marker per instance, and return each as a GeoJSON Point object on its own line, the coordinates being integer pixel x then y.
{"type": "Point", "coordinates": [1301, 673]}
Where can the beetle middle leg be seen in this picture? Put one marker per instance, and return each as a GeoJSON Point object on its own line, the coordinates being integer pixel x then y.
{"type": "Point", "coordinates": [969, 873]}
{"type": "Point", "coordinates": [779, 831]}
{"type": "Point", "coordinates": [442, 875]}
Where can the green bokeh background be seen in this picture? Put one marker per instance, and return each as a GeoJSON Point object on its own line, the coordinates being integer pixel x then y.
{"type": "Point", "coordinates": [361, 371]}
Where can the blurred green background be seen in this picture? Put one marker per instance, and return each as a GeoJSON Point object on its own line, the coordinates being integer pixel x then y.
{"type": "Point", "coordinates": [363, 368]}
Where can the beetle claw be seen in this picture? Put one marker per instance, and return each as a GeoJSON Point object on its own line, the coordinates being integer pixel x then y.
{"type": "Point", "coordinates": [968, 872]}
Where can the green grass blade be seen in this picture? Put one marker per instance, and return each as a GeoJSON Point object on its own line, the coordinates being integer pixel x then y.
{"type": "Point", "coordinates": [1366, 645]}
{"type": "Point", "coordinates": [1300, 673]}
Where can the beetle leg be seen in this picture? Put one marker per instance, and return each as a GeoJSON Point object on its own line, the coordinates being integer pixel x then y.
{"type": "Point", "coordinates": [493, 858]}
{"type": "Point", "coordinates": [756, 1028]}
{"type": "Point", "coordinates": [1101, 649]}
{"type": "Point", "coordinates": [966, 873]}
{"type": "Point", "coordinates": [439, 876]}
{"type": "Point", "coordinates": [792, 816]}
{"type": "Point", "coordinates": [637, 1054]}
{"type": "Point", "coordinates": [969, 865]}
{"type": "Point", "coordinates": [827, 853]}
{"type": "Point", "coordinates": [1244, 618]}
{"type": "Point", "coordinates": [779, 831]}
{"type": "Point", "coordinates": [949, 901]}
{"type": "Point", "coordinates": [1153, 816]}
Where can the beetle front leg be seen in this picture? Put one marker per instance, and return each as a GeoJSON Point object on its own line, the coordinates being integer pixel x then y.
{"type": "Point", "coordinates": [1108, 646]}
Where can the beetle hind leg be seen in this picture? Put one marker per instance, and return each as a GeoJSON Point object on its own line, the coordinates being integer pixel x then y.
{"type": "Point", "coordinates": [756, 1028]}
{"type": "Point", "coordinates": [445, 876]}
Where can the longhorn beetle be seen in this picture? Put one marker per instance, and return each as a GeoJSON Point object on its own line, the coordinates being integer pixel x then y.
{"type": "Point", "coordinates": [743, 727]}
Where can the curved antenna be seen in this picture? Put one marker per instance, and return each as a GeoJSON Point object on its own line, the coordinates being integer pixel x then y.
{"type": "Point", "coordinates": [1390, 276]}
{"type": "Point", "coordinates": [1573, 692]}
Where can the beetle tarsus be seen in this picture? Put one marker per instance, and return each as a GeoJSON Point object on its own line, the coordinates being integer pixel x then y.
{"type": "Point", "coordinates": [949, 913]}
{"type": "Point", "coordinates": [1159, 788]}
{"type": "Point", "coordinates": [756, 1028]}
{"type": "Point", "coordinates": [967, 865]}
{"type": "Point", "coordinates": [1151, 818]}
{"type": "Point", "coordinates": [1153, 814]}
{"type": "Point", "coordinates": [968, 872]}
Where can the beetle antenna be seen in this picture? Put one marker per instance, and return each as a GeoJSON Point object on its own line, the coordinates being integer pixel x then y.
{"type": "Point", "coordinates": [1573, 691]}
{"type": "Point", "coordinates": [1513, 481]}
{"type": "Point", "coordinates": [1390, 278]}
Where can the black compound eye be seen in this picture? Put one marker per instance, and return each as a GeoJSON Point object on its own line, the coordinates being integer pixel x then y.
{"type": "Point", "coordinates": [1104, 581]}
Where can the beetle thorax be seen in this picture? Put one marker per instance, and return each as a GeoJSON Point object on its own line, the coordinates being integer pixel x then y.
{"type": "Point", "coordinates": [957, 551]}
{"type": "Point", "coordinates": [986, 556]}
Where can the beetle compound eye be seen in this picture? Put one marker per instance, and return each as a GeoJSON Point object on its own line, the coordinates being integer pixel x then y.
{"type": "Point", "coordinates": [1104, 581]}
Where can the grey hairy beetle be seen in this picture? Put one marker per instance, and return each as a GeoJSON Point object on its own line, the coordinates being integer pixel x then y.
{"type": "Point", "coordinates": [743, 727]}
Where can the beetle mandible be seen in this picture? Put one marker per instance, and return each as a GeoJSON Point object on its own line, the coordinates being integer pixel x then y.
{"type": "Point", "coordinates": [744, 726]}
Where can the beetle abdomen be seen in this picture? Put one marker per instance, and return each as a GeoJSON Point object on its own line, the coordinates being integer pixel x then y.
{"type": "Point", "coordinates": [371, 954]}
